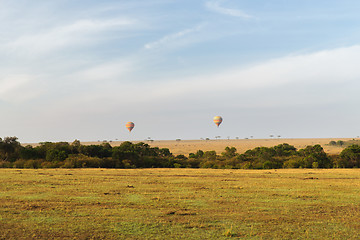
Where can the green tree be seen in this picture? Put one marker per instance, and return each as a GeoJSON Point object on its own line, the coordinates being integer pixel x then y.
{"type": "Point", "coordinates": [54, 155]}
{"type": "Point", "coordinates": [28, 152]}
{"type": "Point", "coordinates": [229, 153]}
{"type": "Point", "coordinates": [284, 150]}
{"type": "Point", "coordinates": [197, 155]}
{"type": "Point", "coordinates": [350, 157]}
{"type": "Point", "coordinates": [210, 155]}
{"type": "Point", "coordinates": [75, 146]}
{"type": "Point", "coordinates": [9, 148]}
{"type": "Point", "coordinates": [312, 154]}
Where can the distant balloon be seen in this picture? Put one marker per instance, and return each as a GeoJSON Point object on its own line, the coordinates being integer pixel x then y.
{"type": "Point", "coordinates": [130, 126]}
{"type": "Point", "coordinates": [218, 120]}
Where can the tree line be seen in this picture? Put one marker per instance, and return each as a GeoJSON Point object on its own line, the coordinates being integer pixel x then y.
{"type": "Point", "coordinates": [142, 155]}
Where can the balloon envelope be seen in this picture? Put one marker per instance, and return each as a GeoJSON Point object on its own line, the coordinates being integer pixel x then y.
{"type": "Point", "coordinates": [218, 120]}
{"type": "Point", "coordinates": [130, 126]}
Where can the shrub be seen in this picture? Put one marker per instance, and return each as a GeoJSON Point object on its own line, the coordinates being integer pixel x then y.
{"type": "Point", "coordinates": [19, 163]}
{"type": "Point", "coordinates": [294, 162]}
{"type": "Point", "coordinates": [82, 161]}
{"type": "Point", "coordinates": [177, 165]}
{"type": "Point", "coordinates": [5, 164]}
{"type": "Point", "coordinates": [32, 164]}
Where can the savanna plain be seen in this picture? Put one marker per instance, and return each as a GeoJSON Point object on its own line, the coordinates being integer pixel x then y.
{"type": "Point", "coordinates": [179, 204]}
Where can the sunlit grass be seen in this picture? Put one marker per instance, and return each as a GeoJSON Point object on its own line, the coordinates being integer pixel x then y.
{"type": "Point", "coordinates": [179, 204]}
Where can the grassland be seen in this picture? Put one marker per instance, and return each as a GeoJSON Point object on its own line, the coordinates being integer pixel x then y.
{"type": "Point", "coordinates": [179, 204]}
{"type": "Point", "coordinates": [187, 146]}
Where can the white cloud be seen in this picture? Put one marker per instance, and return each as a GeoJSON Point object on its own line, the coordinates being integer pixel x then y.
{"type": "Point", "coordinates": [324, 67]}
{"type": "Point", "coordinates": [216, 7]}
{"type": "Point", "coordinates": [172, 38]}
{"type": "Point", "coordinates": [110, 71]}
{"type": "Point", "coordinates": [78, 32]}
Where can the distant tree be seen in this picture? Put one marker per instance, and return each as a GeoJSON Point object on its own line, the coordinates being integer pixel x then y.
{"type": "Point", "coordinates": [229, 152]}
{"type": "Point", "coordinates": [197, 155]}
{"type": "Point", "coordinates": [28, 152]}
{"type": "Point", "coordinates": [9, 148]}
{"type": "Point", "coordinates": [312, 154]}
{"type": "Point", "coordinates": [165, 152]}
{"type": "Point", "coordinates": [56, 155]}
{"type": "Point", "coordinates": [75, 146]}
{"type": "Point", "coordinates": [210, 155]}
{"type": "Point", "coordinates": [284, 150]}
{"type": "Point", "coordinates": [350, 157]}
{"type": "Point", "coordinates": [102, 151]}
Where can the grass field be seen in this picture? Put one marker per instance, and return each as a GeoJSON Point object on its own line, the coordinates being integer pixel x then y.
{"type": "Point", "coordinates": [179, 204]}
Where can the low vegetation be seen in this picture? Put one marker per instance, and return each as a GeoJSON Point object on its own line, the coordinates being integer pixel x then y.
{"type": "Point", "coordinates": [342, 143]}
{"type": "Point", "coordinates": [179, 204]}
{"type": "Point", "coordinates": [141, 155]}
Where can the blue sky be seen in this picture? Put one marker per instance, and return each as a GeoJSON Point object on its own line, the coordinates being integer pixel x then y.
{"type": "Point", "coordinates": [82, 69]}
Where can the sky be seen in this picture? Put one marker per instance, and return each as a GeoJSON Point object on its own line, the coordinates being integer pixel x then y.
{"type": "Point", "coordinates": [82, 69]}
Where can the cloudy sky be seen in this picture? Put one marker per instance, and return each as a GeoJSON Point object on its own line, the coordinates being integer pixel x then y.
{"type": "Point", "coordinates": [82, 69]}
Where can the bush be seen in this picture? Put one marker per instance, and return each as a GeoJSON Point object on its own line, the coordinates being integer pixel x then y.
{"type": "Point", "coordinates": [5, 164]}
{"type": "Point", "coordinates": [32, 164]}
{"type": "Point", "coordinates": [276, 163]}
{"type": "Point", "coordinates": [294, 162]}
{"type": "Point", "coordinates": [19, 163]}
{"type": "Point", "coordinates": [46, 164]}
{"type": "Point", "coordinates": [177, 165]}
{"type": "Point", "coordinates": [82, 161]}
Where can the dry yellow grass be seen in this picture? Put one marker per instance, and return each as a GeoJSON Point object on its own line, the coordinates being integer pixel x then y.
{"type": "Point", "coordinates": [187, 146]}
{"type": "Point", "coordinates": [191, 146]}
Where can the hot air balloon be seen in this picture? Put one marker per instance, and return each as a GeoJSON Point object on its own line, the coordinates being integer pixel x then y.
{"type": "Point", "coordinates": [218, 120]}
{"type": "Point", "coordinates": [130, 126]}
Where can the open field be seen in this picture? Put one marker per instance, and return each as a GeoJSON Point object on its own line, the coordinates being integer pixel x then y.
{"type": "Point", "coordinates": [191, 146]}
{"type": "Point", "coordinates": [179, 204]}
{"type": "Point", "coordinates": [187, 146]}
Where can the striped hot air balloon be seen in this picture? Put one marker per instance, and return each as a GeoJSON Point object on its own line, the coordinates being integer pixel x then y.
{"type": "Point", "coordinates": [130, 126]}
{"type": "Point", "coordinates": [218, 120]}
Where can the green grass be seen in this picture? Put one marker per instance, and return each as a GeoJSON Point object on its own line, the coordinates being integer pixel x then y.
{"type": "Point", "coordinates": [179, 204]}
